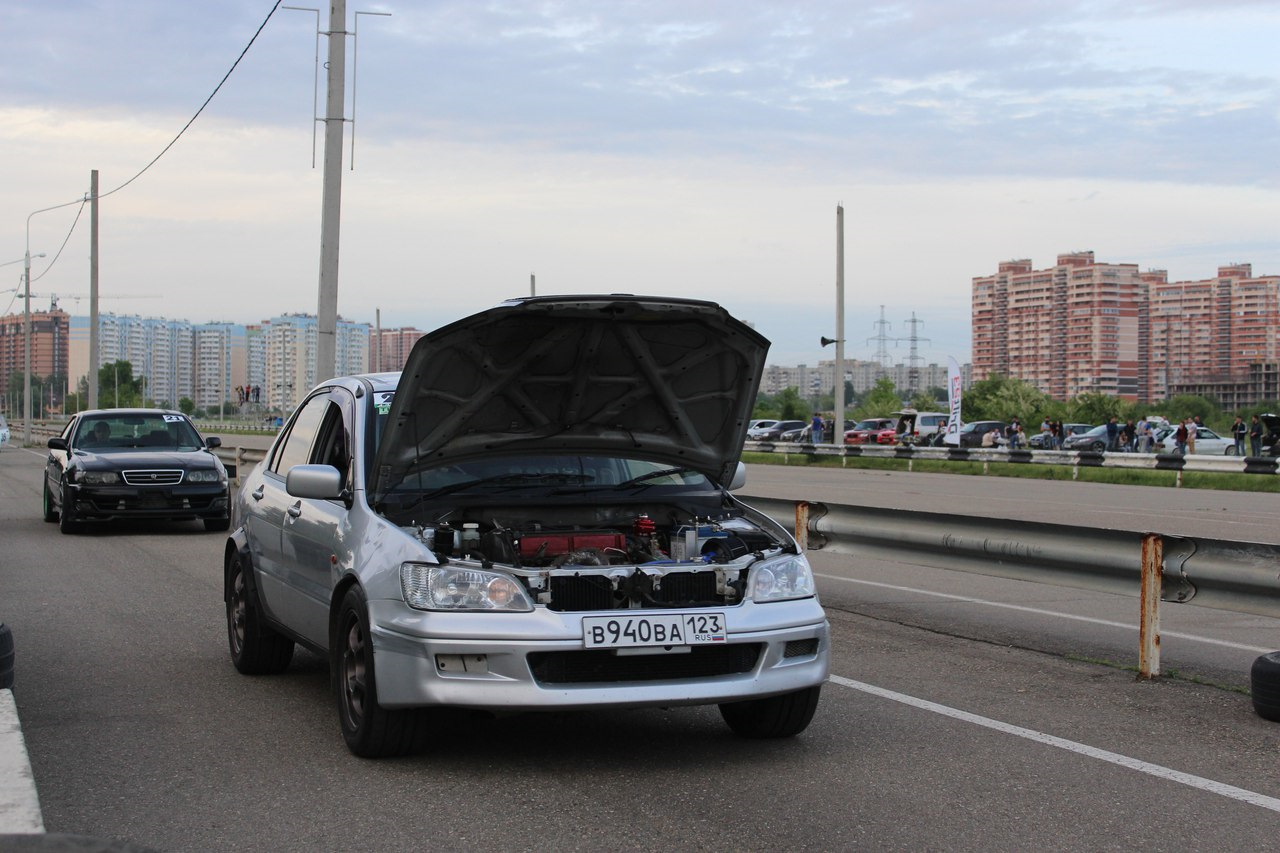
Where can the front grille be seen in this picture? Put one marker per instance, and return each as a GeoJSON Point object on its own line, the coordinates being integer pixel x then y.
{"type": "Point", "coordinates": [154, 477]}
{"type": "Point", "coordinates": [576, 593]}
{"type": "Point", "coordinates": [581, 593]}
{"type": "Point", "coordinates": [149, 502]}
{"type": "Point", "coordinates": [682, 588]}
{"type": "Point", "coordinates": [592, 666]}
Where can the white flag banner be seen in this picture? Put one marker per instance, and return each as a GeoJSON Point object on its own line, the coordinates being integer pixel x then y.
{"type": "Point", "coordinates": [953, 397]}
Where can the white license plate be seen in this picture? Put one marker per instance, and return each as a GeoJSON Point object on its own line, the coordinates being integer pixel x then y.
{"type": "Point", "coordinates": [653, 629]}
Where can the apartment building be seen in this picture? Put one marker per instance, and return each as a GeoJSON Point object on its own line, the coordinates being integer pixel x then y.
{"type": "Point", "coordinates": [1084, 326]}
{"type": "Point", "coordinates": [289, 356]}
{"type": "Point", "coordinates": [861, 374]}
{"type": "Point", "coordinates": [50, 334]}
{"type": "Point", "coordinates": [389, 348]}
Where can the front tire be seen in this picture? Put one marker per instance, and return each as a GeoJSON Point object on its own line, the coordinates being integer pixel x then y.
{"type": "Point", "coordinates": [775, 717]}
{"type": "Point", "coordinates": [370, 730]}
{"type": "Point", "coordinates": [216, 524]}
{"type": "Point", "coordinates": [256, 648]}
{"type": "Point", "coordinates": [66, 517]}
{"type": "Point", "coordinates": [50, 514]}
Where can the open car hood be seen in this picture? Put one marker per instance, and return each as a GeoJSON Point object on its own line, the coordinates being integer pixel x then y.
{"type": "Point", "coordinates": [671, 380]}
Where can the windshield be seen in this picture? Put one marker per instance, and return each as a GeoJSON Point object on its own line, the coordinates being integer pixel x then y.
{"type": "Point", "coordinates": [120, 432]}
{"type": "Point", "coordinates": [561, 473]}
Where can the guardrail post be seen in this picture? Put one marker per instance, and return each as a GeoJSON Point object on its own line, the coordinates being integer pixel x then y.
{"type": "Point", "coordinates": [1149, 620]}
{"type": "Point", "coordinates": [802, 525]}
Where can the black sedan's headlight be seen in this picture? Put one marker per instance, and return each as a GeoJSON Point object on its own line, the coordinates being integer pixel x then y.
{"type": "Point", "coordinates": [204, 476]}
{"type": "Point", "coordinates": [95, 478]}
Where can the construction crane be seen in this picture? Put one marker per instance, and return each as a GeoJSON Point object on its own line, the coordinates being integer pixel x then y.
{"type": "Point", "coordinates": [54, 297]}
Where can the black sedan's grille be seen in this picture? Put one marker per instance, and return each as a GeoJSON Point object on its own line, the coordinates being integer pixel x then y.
{"type": "Point", "coordinates": [592, 666]}
{"type": "Point", "coordinates": [153, 477]}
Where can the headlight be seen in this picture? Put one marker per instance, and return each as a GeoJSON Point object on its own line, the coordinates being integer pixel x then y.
{"type": "Point", "coordinates": [209, 476]}
{"type": "Point", "coordinates": [98, 478]}
{"type": "Point", "coordinates": [781, 579]}
{"type": "Point", "coordinates": [447, 588]}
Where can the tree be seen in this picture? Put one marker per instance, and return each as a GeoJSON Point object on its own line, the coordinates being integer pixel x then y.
{"type": "Point", "coordinates": [117, 387]}
{"type": "Point", "coordinates": [881, 399]}
{"type": "Point", "coordinates": [1001, 398]}
{"type": "Point", "coordinates": [186, 405]}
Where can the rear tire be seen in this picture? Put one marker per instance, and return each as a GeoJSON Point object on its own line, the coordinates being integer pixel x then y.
{"type": "Point", "coordinates": [775, 717]}
{"type": "Point", "coordinates": [370, 730]}
{"type": "Point", "coordinates": [1264, 685]}
{"type": "Point", "coordinates": [256, 648]}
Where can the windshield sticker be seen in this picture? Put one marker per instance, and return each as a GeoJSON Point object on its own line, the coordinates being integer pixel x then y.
{"type": "Point", "coordinates": [173, 419]}
{"type": "Point", "coordinates": [383, 403]}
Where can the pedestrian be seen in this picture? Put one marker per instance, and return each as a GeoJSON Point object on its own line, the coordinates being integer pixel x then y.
{"type": "Point", "coordinates": [1191, 436]}
{"type": "Point", "coordinates": [1255, 436]}
{"type": "Point", "coordinates": [1113, 433]}
{"type": "Point", "coordinates": [1057, 435]}
{"type": "Point", "coordinates": [1180, 439]}
{"type": "Point", "coordinates": [1238, 432]}
{"type": "Point", "coordinates": [1012, 432]}
{"type": "Point", "coordinates": [815, 430]}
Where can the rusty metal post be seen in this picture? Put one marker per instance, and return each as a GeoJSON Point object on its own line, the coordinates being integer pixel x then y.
{"type": "Point", "coordinates": [802, 525]}
{"type": "Point", "coordinates": [1149, 621]}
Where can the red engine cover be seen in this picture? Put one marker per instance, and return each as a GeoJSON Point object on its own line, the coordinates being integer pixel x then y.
{"type": "Point", "coordinates": [563, 543]}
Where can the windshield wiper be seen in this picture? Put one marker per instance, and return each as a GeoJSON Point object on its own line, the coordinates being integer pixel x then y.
{"type": "Point", "coordinates": [644, 479]}
{"type": "Point", "coordinates": [512, 480]}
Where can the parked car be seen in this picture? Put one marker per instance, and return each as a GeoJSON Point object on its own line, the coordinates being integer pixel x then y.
{"type": "Point", "coordinates": [775, 432]}
{"type": "Point", "coordinates": [1040, 440]}
{"type": "Point", "coordinates": [543, 542]}
{"type": "Point", "coordinates": [920, 427]}
{"type": "Point", "coordinates": [1207, 442]}
{"type": "Point", "coordinates": [4, 431]}
{"type": "Point", "coordinates": [1270, 438]}
{"type": "Point", "coordinates": [800, 434]}
{"type": "Point", "coordinates": [873, 431]}
{"type": "Point", "coordinates": [1094, 438]}
{"type": "Point", "coordinates": [758, 427]}
{"type": "Point", "coordinates": [971, 433]}
{"type": "Point", "coordinates": [134, 463]}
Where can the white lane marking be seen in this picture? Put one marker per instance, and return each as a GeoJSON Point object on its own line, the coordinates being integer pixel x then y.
{"type": "Point", "coordinates": [19, 803]}
{"type": "Point", "coordinates": [1160, 772]}
{"type": "Point", "coordinates": [1040, 612]}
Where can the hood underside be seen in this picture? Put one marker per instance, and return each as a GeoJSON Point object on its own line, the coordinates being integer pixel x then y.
{"type": "Point", "coordinates": [672, 380]}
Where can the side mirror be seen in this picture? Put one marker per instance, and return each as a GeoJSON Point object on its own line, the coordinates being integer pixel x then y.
{"type": "Point", "coordinates": [212, 442]}
{"type": "Point", "coordinates": [739, 478]}
{"type": "Point", "coordinates": [57, 443]}
{"type": "Point", "coordinates": [321, 482]}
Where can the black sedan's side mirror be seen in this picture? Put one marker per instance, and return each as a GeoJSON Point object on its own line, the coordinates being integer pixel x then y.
{"type": "Point", "coordinates": [212, 442]}
{"type": "Point", "coordinates": [57, 443]}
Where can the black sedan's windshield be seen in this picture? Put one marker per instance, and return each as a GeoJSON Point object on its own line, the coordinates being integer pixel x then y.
{"type": "Point", "coordinates": [115, 433]}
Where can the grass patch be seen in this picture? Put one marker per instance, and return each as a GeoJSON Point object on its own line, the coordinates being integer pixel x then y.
{"type": "Point", "coordinates": [1029, 471]}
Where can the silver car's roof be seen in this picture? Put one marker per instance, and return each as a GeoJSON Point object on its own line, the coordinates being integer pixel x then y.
{"type": "Point", "coordinates": [672, 380]}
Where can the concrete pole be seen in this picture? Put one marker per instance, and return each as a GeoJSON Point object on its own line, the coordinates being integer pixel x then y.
{"type": "Point", "coordinates": [377, 320]}
{"type": "Point", "coordinates": [331, 212]}
{"type": "Point", "coordinates": [95, 357]}
{"type": "Point", "coordinates": [26, 346]}
{"type": "Point", "coordinates": [837, 428]}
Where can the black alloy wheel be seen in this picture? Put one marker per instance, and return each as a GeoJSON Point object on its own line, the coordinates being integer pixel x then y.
{"type": "Point", "coordinates": [256, 649]}
{"type": "Point", "coordinates": [50, 514]}
{"type": "Point", "coordinates": [66, 515]}
{"type": "Point", "coordinates": [370, 730]}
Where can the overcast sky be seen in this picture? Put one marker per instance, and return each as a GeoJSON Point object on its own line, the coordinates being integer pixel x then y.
{"type": "Point", "coordinates": [679, 148]}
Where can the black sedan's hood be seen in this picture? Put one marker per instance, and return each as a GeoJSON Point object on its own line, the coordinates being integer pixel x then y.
{"type": "Point", "coordinates": [143, 459]}
{"type": "Point", "coordinates": [671, 380]}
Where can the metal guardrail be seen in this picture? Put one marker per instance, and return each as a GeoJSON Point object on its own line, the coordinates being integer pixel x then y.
{"type": "Point", "coordinates": [1076, 459]}
{"type": "Point", "coordinates": [1242, 577]}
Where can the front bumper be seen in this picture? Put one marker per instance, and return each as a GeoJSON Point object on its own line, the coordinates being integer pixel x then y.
{"type": "Point", "coordinates": [175, 502]}
{"type": "Point", "coordinates": [538, 661]}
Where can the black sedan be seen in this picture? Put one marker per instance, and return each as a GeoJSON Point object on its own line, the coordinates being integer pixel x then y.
{"type": "Point", "coordinates": [134, 463]}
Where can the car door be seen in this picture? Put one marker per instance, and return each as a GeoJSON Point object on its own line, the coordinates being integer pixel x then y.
{"type": "Point", "coordinates": [56, 462]}
{"type": "Point", "coordinates": [313, 530]}
{"type": "Point", "coordinates": [264, 521]}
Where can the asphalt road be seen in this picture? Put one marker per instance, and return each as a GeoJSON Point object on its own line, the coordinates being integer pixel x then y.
{"type": "Point", "coordinates": [965, 713]}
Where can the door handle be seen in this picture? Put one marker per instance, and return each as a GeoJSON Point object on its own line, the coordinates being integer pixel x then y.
{"type": "Point", "coordinates": [257, 493]}
{"type": "Point", "coordinates": [295, 510]}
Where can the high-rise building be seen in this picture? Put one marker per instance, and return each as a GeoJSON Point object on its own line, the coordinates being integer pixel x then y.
{"type": "Point", "coordinates": [289, 356]}
{"type": "Point", "coordinates": [1083, 326]}
{"type": "Point", "coordinates": [1069, 329]}
{"type": "Point", "coordinates": [49, 341]}
{"type": "Point", "coordinates": [394, 346]}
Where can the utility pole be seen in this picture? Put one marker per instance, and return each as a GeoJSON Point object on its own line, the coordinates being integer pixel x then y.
{"type": "Point", "coordinates": [331, 205]}
{"type": "Point", "coordinates": [837, 427]}
{"type": "Point", "coordinates": [94, 356]}
{"type": "Point", "coordinates": [913, 361]}
{"type": "Point", "coordinates": [882, 344]}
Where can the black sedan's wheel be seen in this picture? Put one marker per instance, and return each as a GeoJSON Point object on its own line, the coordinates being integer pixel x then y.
{"type": "Point", "coordinates": [66, 516]}
{"type": "Point", "coordinates": [50, 514]}
{"type": "Point", "coordinates": [217, 523]}
{"type": "Point", "coordinates": [370, 730]}
{"type": "Point", "coordinates": [1264, 685]}
{"type": "Point", "coordinates": [256, 649]}
{"type": "Point", "coordinates": [775, 717]}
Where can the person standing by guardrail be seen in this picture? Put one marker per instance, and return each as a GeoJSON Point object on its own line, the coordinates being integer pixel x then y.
{"type": "Point", "coordinates": [1255, 436]}
{"type": "Point", "coordinates": [1238, 432]}
{"type": "Point", "coordinates": [1180, 439]}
